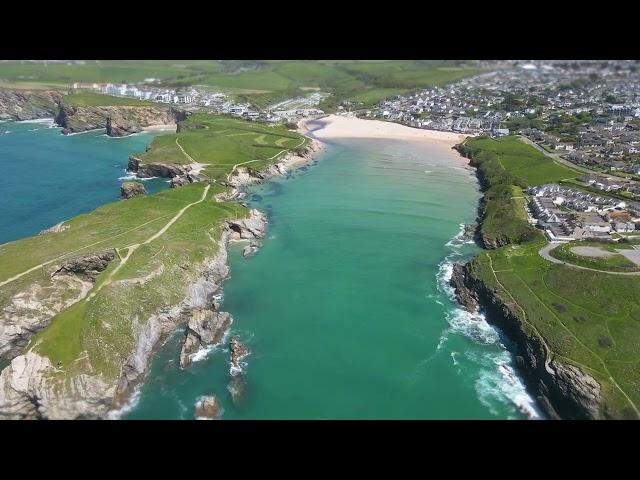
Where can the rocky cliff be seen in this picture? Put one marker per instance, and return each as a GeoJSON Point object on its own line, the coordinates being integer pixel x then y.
{"type": "Point", "coordinates": [562, 390]}
{"type": "Point", "coordinates": [117, 120]}
{"type": "Point", "coordinates": [32, 388]}
{"type": "Point", "coordinates": [28, 104]}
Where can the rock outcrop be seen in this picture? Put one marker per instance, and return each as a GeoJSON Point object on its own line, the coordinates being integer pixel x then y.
{"type": "Point", "coordinates": [563, 390]}
{"type": "Point", "coordinates": [250, 228]}
{"type": "Point", "coordinates": [205, 328]}
{"type": "Point", "coordinates": [28, 104]}
{"type": "Point", "coordinates": [88, 266]}
{"type": "Point", "coordinates": [149, 170]}
{"type": "Point", "coordinates": [238, 351]}
{"type": "Point", "coordinates": [117, 120]}
{"type": "Point", "coordinates": [250, 250]}
{"type": "Point", "coordinates": [131, 189]}
{"type": "Point", "coordinates": [28, 392]}
{"type": "Point", "coordinates": [207, 408]}
{"type": "Point", "coordinates": [58, 227]}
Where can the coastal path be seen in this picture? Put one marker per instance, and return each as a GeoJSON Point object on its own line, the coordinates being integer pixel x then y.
{"type": "Point", "coordinates": [261, 160]}
{"type": "Point", "coordinates": [544, 253]}
{"type": "Point", "coordinates": [133, 248]}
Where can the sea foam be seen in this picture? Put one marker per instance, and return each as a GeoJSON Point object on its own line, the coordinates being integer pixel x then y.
{"type": "Point", "coordinates": [497, 381]}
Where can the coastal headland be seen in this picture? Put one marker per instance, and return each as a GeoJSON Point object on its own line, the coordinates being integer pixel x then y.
{"type": "Point", "coordinates": [575, 338]}
{"type": "Point", "coordinates": [85, 305]}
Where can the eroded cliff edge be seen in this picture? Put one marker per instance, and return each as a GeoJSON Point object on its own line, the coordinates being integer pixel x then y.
{"type": "Point", "coordinates": [563, 391]}
{"type": "Point", "coordinates": [31, 387]}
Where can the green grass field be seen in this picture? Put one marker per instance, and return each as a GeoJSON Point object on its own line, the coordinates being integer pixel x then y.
{"type": "Point", "coordinates": [523, 161]}
{"type": "Point", "coordinates": [259, 82]}
{"type": "Point", "coordinates": [587, 319]}
{"type": "Point", "coordinates": [101, 328]}
{"type": "Point", "coordinates": [93, 99]}
{"type": "Point", "coordinates": [222, 142]}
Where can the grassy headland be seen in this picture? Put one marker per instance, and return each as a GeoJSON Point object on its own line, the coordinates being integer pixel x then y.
{"type": "Point", "coordinates": [587, 319]}
{"type": "Point", "coordinates": [153, 266]}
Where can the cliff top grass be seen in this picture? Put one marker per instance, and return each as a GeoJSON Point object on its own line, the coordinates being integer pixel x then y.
{"type": "Point", "coordinates": [590, 320]}
{"type": "Point", "coordinates": [93, 99]}
{"type": "Point", "coordinates": [101, 329]}
{"type": "Point", "coordinates": [587, 319]}
{"type": "Point", "coordinates": [523, 161]}
{"type": "Point", "coordinates": [222, 142]}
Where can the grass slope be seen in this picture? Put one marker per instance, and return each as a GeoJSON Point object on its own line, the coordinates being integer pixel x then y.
{"type": "Point", "coordinates": [588, 319]}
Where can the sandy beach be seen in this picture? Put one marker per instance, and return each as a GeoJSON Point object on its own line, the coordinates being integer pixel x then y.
{"type": "Point", "coordinates": [169, 127]}
{"type": "Point", "coordinates": [337, 126]}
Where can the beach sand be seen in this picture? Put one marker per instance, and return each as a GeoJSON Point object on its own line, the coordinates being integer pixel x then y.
{"type": "Point", "coordinates": [337, 126]}
{"type": "Point", "coordinates": [169, 127]}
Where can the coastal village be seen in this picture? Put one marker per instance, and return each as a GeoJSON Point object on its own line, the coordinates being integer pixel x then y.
{"type": "Point", "coordinates": [555, 146]}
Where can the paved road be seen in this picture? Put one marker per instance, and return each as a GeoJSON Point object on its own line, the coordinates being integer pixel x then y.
{"type": "Point", "coordinates": [544, 253]}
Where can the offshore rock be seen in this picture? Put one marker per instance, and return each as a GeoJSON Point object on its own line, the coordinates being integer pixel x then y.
{"type": "Point", "coordinates": [205, 328]}
{"type": "Point", "coordinates": [131, 189]}
{"type": "Point", "coordinates": [249, 250]}
{"type": "Point", "coordinates": [207, 408]}
{"type": "Point", "coordinates": [238, 351]}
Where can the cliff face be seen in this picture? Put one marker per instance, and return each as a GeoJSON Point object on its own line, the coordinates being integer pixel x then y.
{"type": "Point", "coordinates": [562, 390]}
{"type": "Point", "coordinates": [28, 104]}
{"type": "Point", "coordinates": [117, 120]}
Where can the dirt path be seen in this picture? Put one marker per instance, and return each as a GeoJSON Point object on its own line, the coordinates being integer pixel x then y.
{"type": "Point", "coordinates": [133, 248]}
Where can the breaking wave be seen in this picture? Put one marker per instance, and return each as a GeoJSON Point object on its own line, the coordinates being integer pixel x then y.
{"type": "Point", "coordinates": [497, 380]}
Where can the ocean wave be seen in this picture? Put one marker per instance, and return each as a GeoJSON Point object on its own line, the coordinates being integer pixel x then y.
{"type": "Point", "coordinates": [203, 353]}
{"type": "Point", "coordinates": [48, 121]}
{"type": "Point", "coordinates": [127, 407]}
{"type": "Point", "coordinates": [133, 176]}
{"type": "Point", "coordinates": [497, 381]}
{"type": "Point", "coordinates": [458, 240]}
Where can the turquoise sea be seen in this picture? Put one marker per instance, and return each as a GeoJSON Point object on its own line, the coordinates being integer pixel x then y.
{"type": "Point", "coordinates": [48, 177]}
{"type": "Point", "coordinates": [346, 307]}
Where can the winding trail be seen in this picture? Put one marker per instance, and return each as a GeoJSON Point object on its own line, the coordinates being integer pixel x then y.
{"type": "Point", "coordinates": [133, 248]}
{"type": "Point", "coordinates": [60, 257]}
{"type": "Point", "coordinates": [262, 160]}
{"type": "Point", "coordinates": [544, 253]}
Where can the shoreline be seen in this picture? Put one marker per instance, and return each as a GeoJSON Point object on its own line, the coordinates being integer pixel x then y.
{"type": "Point", "coordinates": [215, 271]}
{"type": "Point", "coordinates": [336, 126]}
